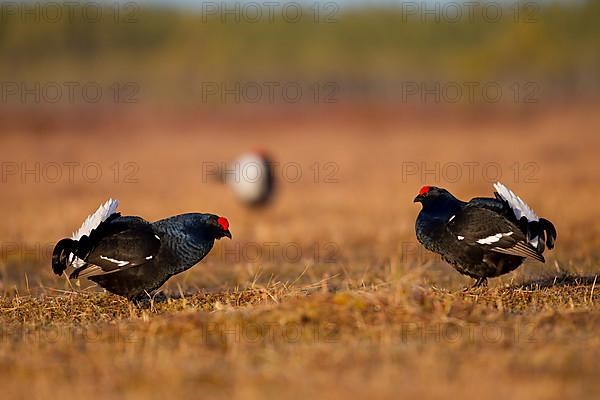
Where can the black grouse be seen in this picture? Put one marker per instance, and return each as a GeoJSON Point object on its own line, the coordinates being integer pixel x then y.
{"type": "Point", "coordinates": [485, 237]}
{"type": "Point", "coordinates": [132, 257]}
{"type": "Point", "coordinates": [251, 178]}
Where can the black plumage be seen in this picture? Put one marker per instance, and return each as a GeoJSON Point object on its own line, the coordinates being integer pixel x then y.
{"type": "Point", "coordinates": [132, 257]}
{"type": "Point", "coordinates": [485, 237]}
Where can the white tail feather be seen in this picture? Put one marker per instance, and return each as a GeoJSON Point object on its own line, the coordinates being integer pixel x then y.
{"type": "Point", "coordinates": [91, 222]}
{"type": "Point", "coordinates": [518, 206]}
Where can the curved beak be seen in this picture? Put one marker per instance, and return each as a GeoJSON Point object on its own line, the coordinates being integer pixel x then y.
{"type": "Point", "coordinates": [418, 199]}
{"type": "Point", "coordinates": [227, 233]}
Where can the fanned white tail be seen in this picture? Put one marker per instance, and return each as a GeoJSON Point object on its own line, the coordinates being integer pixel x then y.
{"type": "Point", "coordinates": [519, 207]}
{"type": "Point", "coordinates": [100, 215]}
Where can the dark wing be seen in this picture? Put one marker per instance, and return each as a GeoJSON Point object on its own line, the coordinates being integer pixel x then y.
{"type": "Point", "coordinates": [540, 233]}
{"type": "Point", "coordinates": [479, 226]}
{"type": "Point", "coordinates": [497, 205]}
{"type": "Point", "coordinates": [127, 242]}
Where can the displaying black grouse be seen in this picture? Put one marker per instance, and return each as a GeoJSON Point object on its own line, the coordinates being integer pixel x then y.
{"type": "Point", "coordinates": [485, 237]}
{"type": "Point", "coordinates": [132, 257]}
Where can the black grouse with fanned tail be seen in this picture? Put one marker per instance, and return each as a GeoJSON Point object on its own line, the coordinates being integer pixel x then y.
{"type": "Point", "coordinates": [132, 257]}
{"type": "Point", "coordinates": [485, 237]}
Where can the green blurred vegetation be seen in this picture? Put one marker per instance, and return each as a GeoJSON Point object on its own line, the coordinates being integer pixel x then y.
{"type": "Point", "coordinates": [169, 52]}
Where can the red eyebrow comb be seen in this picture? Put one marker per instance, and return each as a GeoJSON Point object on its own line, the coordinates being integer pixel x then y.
{"type": "Point", "coordinates": [424, 190]}
{"type": "Point", "coordinates": [223, 223]}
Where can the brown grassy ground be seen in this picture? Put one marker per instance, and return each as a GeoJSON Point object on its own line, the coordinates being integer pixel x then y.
{"type": "Point", "coordinates": [379, 318]}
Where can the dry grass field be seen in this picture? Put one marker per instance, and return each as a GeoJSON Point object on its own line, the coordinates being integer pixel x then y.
{"type": "Point", "coordinates": [346, 305]}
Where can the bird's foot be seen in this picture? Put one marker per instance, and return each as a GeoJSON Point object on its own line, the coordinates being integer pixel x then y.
{"type": "Point", "coordinates": [479, 283]}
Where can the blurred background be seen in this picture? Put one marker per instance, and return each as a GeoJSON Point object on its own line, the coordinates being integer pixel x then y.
{"type": "Point", "coordinates": [170, 56]}
{"type": "Point", "coordinates": [359, 104]}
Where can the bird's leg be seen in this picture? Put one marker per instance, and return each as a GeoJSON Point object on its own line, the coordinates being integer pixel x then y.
{"type": "Point", "coordinates": [141, 300]}
{"type": "Point", "coordinates": [480, 282]}
{"type": "Point", "coordinates": [160, 297]}
{"type": "Point", "coordinates": [145, 299]}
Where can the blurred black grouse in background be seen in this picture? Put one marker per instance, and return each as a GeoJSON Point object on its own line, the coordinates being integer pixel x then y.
{"type": "Point", "coordinates": [254, 181]}
{"type": "Point", "coordinates": [485, 237]}
{"type": "Point", "coordinates": [132, 257]}
{"type": "Point", "coordinates": [251, 177]}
